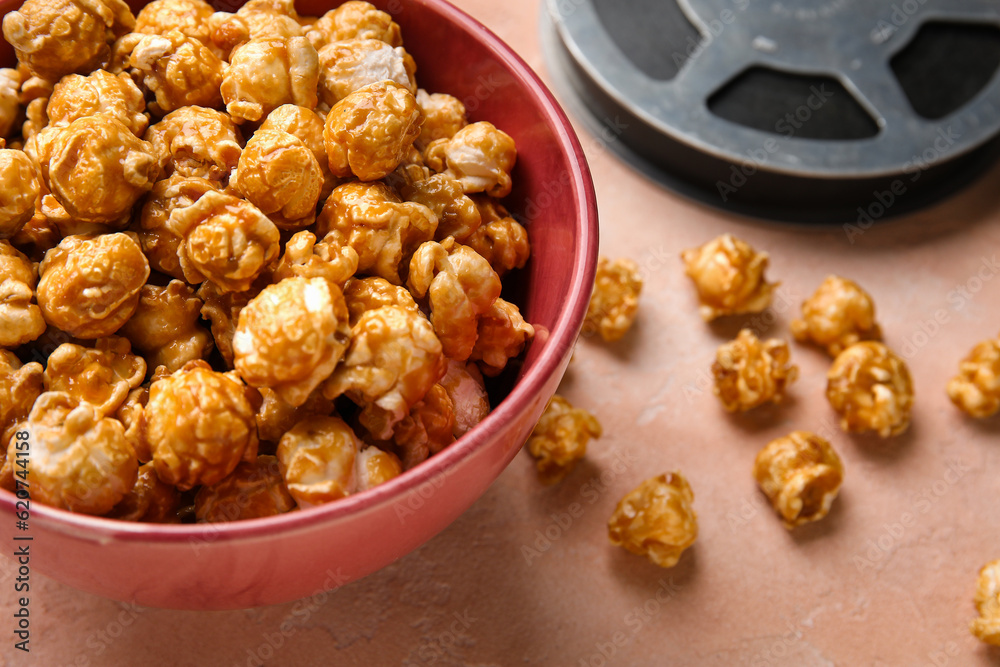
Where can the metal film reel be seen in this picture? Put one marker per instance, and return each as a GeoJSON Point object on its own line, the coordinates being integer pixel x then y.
{"type": "Point", "coordinates": [802, 110]}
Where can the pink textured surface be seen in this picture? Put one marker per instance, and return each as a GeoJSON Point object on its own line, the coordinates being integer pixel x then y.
{"type": "Point", "coordinates": [748, 593]}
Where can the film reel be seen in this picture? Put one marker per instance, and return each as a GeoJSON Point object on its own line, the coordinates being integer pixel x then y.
{"type": "Point", "coordinates": [801, 110]}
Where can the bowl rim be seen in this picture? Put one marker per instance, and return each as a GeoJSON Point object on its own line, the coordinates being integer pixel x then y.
{"type": "Point", "coordinates": [561, 338]}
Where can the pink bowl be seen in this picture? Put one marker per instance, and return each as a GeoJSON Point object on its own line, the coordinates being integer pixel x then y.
{"type": "Point", "coordinates": [274, 560]}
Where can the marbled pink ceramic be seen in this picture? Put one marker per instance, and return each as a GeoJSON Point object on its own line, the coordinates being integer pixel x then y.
{"type": "Point", "coordinates": [273, 560]}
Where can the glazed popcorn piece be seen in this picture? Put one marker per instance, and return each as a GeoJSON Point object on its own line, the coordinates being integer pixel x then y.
{"type": "Point", "coordinates": [354, 20]}
{"type": "Point", "coordinates": [159, 244]}
{"type": "Point", "coordinates": [749, 372]}
{"type": "Point", "coordinates": [130, 416]}
{"type": "Point", "coordinates": [19, 192]}
{"type": "Point", "coordinates": [166, 326]}
{"type": "Point", "coordinates": [198, 425]}
{"type": "Point", "coordinates": [837, 316]}
{"type": "Point", "coordinates": [317, 459]}
{"type": "Point", "coordinates": [987, 627]}
{"type": "Point", "coordinates": [393, 360]}
{"type": "Point", "coordinates": [80, 461]}
{"type": "Point", "coordinates": [457, 214]}
{"type": "Point", "coordinates": [460, 286]}
{"type": "Point", "coordinates": [615, 300]}
{"type": "Point", "coordinates": [383, 230]}
{"type": "Point", "coordinates": [502, 335]}
{"type": "Point", "coordinates": [20, 319]}
{"type": "Point", "coordinates": [364, 294]}
{"type": "Point", "coordinates": [501, 239]}
{"type": "Point", "coordinates": [976, 388]}
{"type": "Point", "coordinates": [10, 103]}
{"type": "Point", "coordinates": [729, 277]}
{"type": "Point", "coordinates": [464, 384]}
{"type": "Point", "coordinates": [253, 490]}
{"type": "Point", "coordinates": [19, 387]}
{"type": "Point", "coordinates": [53, 38]}
{"type": "Point", "coordinates": [276, 417]}
{"type": "Point", "coordinates": [307, 125]}
{"type": "Point", "coordinates": [870, 388]}
{"type": "Point", "coordinates": [102, 375]}
{"type": "Point", "coordinates": [35, 120]}
{"type": "Point", "coordinates": [255, 19]}
{"type": "Point", "coordinates": [560, 439]}
{"type": "Point", "coordinates": [329, 259]}
{"type": "Point", "coordinates": [222, 310]}
{"type": "Point", "coordinates": [479, 156]}
{"type": "Point", "coordinates": [149, 501]}
{"type": "Point", "coordinates": [96, 169]}
{"type": "Point", "coordinates": [198, 142]}
{"type": "Point", "coordinates": [800, 474]}
{"type": "Point", "coordinates": [179, 70]}
{"type": "Point", "coordinates": [372, 467]}
{"type": "Point", "coordinates": [428, 428]}
{"type": "Point", "coordinates": [190, 17]}
{"type": "Point", "coordinates": [278, 174]}
{"type": "Point", "coordinates": [100, 93]}
{"type": "Point", "coordinates": [444, 116]}
{"type": "Point", "coordinates": [267, 72]}
{"type": "Point", "coordinates": [656, 519]}
{"type": "Point", "coordinates": [38, 236]}
{"type": "Point", "coordinates": [227, 240]}
{"type": "Point", "coordinates": [352, 64]}
{"type": "Point", "coordinates": [291, 336]}
{"type": "Point", "coordinates": [90, 286]}
{"type": "Point", "coordinates": [369, 132]}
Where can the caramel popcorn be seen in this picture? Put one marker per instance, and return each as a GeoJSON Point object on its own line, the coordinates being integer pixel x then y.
{"type": "Point", "coordinates": [837, 316]}
{"type": "Point", "coordinates": [130, 416]}
{"type": "Point", "coordinates": [615, 300]}
{"type": "Point", "coordinates": [801, 475]}
{"type": "Point", "coordinates": [870, 388]}
{"type": "Point", "coordinates": [291, 336]}
{"type": "Point", "coordinates": [729, 277]}
{"type": "Point", "coordinates": [222, 309]}
{"type": "Point", "coordinates": [352, 64]}
{"type": "Point", "coordinates": [158, 243]}
{"type": "Point", "coordinates": [53, 38]}
{"type": "Point", "coordinates": [656, 519]}
{"type": "Point", "coordinates": [80, 461]}
{"type": "Point", "coordinates": [987, 627]}
{"type": "Point", "coordinates": [10, 103]}
{"type": "Point", "coordinates": [502, 241]}
{"type": "Point", "coordinates": [100, 93]}
{"type": "Point", "coordinates": [267, 72]}
{"type": "Point", "coordinates": [393, 360]}
{"type": "Point", "coordinates": [190, 17]}
{"type": "Point", "coordinates": [444, 116]}
{"type": "Point", "coordinates": [976, 388]}
{"type": "Point", "coordinates": [179, 70]}
{"type": "Point", "coordinates": [90, 286]}
{"type": "Point", "coordinates": [102, 375]}
{"type": "Point", "coordinates": [96, 169]}
{"type": "Point", "coordinates": [36, 118]}
{"type": "Point", "coordinates": [460, 286]}
{"type": "Point", "coordinates": [373, 467]}
{"type": "Point", "coordinates": [166, 326]}
{"type": "Point", "coordinates": [278, 174]}
{"type": "Point", "coordinates": [19, 387]}
{"type": "Point", "coordinates": [226, 240]}
{"type": "Point", "coordinates": [18, 193]}
{"type": "Point", "coordinates": [354, 20]}
{"type": "Point", "coordinates": [560, 439]}
{"type": "Point", "coordinates": [254, 20]}
{"type": "Point", "coordinates": [195, 141]}
{"type": "Point", "coordinates": [253, 490]}
{"type": "Point", "coordinates": [383, 230]}
{"type": "Point", "coordinates": [369, 132]}
{"type": "Point", "coordinates": [749, 372]}
{"type": "Point", "coordinates": [502, 335]}
{"type": "Point", "coordinates": [317, 459]}
{"type": "Point", "coordinates": [307, 125]}
{"type": "Point", "coordinates": [464, 384]}
{"type": "Point", "coordinates": [329, 259]}
{"type": "Point", "coordinates": [149, 501]}
{"type": "Point", "coordinates": [429, 428]}
{"type": "Point", "coordinates": [457, 214]}
{"type": "Point", "coordinates": [276, 417]}
{"type": "Point", "coordinates": [20, 320]}
{"type": "Point", "coordinates": [479, 156]}
{"type": "Point", "coordinates": [364, 294]}
{"type": "Point", "coordinates": [198, 425]}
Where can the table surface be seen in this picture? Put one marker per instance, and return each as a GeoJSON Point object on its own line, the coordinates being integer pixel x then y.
{"type": "Point", "coordinates": [858, 588]}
